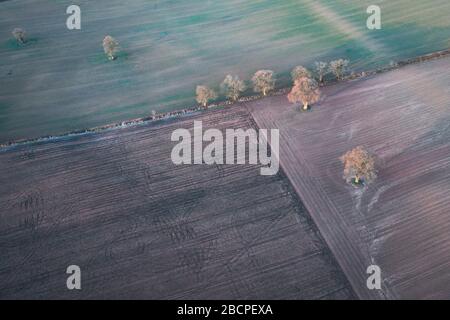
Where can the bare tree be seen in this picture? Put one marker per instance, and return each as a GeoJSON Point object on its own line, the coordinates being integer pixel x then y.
{"type": "Point", "coordinates": [20, 35]}
{"type": "Point", "coordinates": [321, 69]}
{"type": "Point", "coordinates": [338, 68]}
{"type": "Point", "coordinates": [263, 81]}
{"type": "Point", "coordinates": [300, 72]}
{"type": "Point", "coordinates": [233, 87]}
{"type": "Point", "coordinates": [204, 95]}
{"type": "Point", "coordinates": [306, 91]}
{"type": "Point", "coordinates": [359, 166]}
{"type": "Point", "coordinates": [111, 47]}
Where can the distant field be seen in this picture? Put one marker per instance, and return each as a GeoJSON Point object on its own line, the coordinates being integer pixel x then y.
{"type": "Point", "coordinates": [140, 227]}
{"type": "Point", "coordinates": [401, 222]}
{"type": "Point", "coordinates": [61, 80]}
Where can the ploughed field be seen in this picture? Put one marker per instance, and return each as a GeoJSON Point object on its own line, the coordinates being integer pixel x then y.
{"type": "Point", "coordinates": [61, 81]}
{"type": "Point", "coordinates": [138, 226]}
{"type": "Point", "coordinates": [400, 222]}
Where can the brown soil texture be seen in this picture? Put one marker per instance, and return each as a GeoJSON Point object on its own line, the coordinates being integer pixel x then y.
{"type": "Point", "coordinates": [140, 227]}
{"type": "Point", "coordinates": [400, 222]}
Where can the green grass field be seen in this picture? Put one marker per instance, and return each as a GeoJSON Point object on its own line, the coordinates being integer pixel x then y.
{"type": "Point", "coordinates": [60, 81]}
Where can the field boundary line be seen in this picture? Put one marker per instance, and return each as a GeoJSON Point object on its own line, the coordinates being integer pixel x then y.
{"type": "Point", "coordinates": [220, 104]}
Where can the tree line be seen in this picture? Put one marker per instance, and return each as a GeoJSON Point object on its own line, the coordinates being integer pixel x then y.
{"type": "Point", "coordinates": [305, 88]}
{"type": "Point", "coordinates": [359, 165]}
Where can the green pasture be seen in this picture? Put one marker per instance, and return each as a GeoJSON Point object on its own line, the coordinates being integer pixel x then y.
{"type": "Point", "coordinates": [61, 81]}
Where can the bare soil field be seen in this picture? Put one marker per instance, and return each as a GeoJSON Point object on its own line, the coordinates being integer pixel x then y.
{"type": "Point", "coordinates": [61, 81]}
{"type": "Point", "coordinates": [401, 221]}
{"type": "Point", "coordinates": [140, 227]}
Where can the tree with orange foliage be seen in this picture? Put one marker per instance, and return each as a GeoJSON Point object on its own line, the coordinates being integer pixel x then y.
{"type": "Point", "coordinates": [359, 166]}
{"type": "Point", "coordinates": [111, 47]}
{"type": "Point", "coordinates": [306, 91]}
{"type": "Point", "coordinates": [263, 81]}
{"type": "Point", "coordinates": [19, 34]}
{"type": "Point", "coordinates": [233, 87]}
{"type": "Point", "coordinates": [204, 95]}
{"type": "Point", "coordinates": [338, 68]}
{"type": "Point", "coordinates": [299, 72]}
